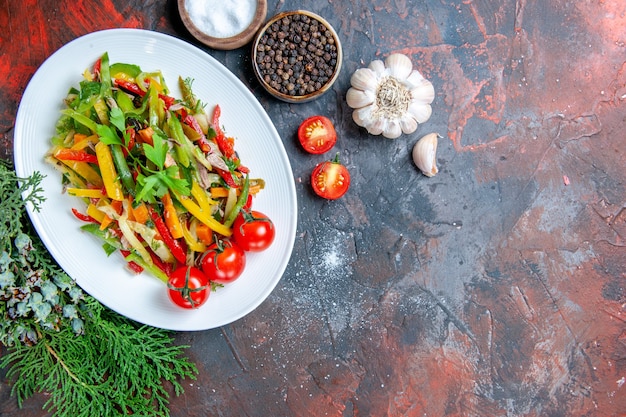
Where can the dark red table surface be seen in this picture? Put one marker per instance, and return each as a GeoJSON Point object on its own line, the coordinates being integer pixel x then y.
{"type": "Point", "coordinates": [496, 288]}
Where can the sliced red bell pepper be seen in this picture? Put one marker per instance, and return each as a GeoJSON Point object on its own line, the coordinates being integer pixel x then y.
{"type": "Point", "coordinates": [225, 146]}
{"type": "Point", "coordinates": [217, 112]}
{"type": "Point", "coordinates": [248, 204]}
{"type": "Point", "coordinates": [66, 154]}
{"type": "Point", "coordinates": [226, 176]}
{"type": "Point", "coordinates": [84, 217]}
{"type": "Point", "coordinates": [129, 87]}
{"type": "Point", "coordinates": [132, 265]}
{"type": "Point", "coordinates": [116, 232]}
{"type": "Point", "coordinates": [135, 173]}
{"type": "Point", "coordinates": [97, 66]}
{"type": "Point", "coordinates": [133, 88]}
{"type": "Point", "coordinates": [168, 100]}
{"type": "Point", "coordinates": [132, 133]}
{"type": "Point", "coordinates": [163, 266]}
{"type": "Point", "coordinates": [172, 244]}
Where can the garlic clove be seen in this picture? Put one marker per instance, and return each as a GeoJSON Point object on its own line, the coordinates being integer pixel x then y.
{"type": "Point", "coordinates": [362, 116]}
{"type": "Point", "coordinates": [376, 126]}
{"type": "Point", "coordinates": [415, 78]}
{"type": "Point", "coordinates": [421, 112]}
{"type": "Point", "coordinates": [399, 66]}
{"type": "Point", "coordinates": [408, 124]}
{"type": "Point", "coordinates": [425, 154]}
{"type": "Point", "coordinates": [393, 129]}
{"type": "Point", "coordinates": [364, 79]}
{"type": "Point", "coordinates": [358, 98]}
{"type": "Point", "coordinates": [423, 93]}
{"type": "Point", "coordinates": [378, 67]}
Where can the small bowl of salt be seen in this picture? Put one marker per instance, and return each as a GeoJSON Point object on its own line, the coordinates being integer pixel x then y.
{"type": "Point", "coordinates": [223, 24]}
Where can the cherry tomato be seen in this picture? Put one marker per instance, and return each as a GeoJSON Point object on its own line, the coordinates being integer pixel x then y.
{"type": "Point", "coordinates": [253, 231]}
{"type": "Point", "coordinates": [188, 287]}
{"type": "Point", "coordinates": [330, 179]}
{"type": "Point", "coordinates": [223, 261]}
{"type": "Point", "coordinates": [317, 134]}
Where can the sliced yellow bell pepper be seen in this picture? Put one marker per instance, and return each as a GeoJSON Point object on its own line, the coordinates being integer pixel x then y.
{"type": "Point", "coordinates": [87, 75]}
{"type": "Point", "coordinates": [123, 76]}
{"type": "Point", "coordinates": [204, 216]}
{"type": "Point", "coordinates": [102, 111]}
{"type": "Point", "coordinates": [201, 197]}
{"type": "Point", "coordinates": [86, 171]}
{"type": "Point", "coordinates": [71, 176]}
{"type": "Point", "coordinates": [109, 174]}
{"type": "Point", "coordinates": [93, 211]}
{"type": "Point", "coordinates": [191, 241]}
{"type": "Point", "coordinates": [86, 192]}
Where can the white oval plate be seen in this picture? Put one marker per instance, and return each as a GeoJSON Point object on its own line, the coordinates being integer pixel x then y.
{"type": "Point", "coordinates": [143, 297]}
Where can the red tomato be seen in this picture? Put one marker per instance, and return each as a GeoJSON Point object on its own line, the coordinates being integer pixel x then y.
{"type": "Point", "coordinates": [253, 231]}
{"type": "Point", "coordinates": [223, 261]}
{"type": "Point", "coordinates": [317, 134]}
{"type": "Point", "coordinates": [330, 179]}
{"type": "Point", "coordinates": [188, 287]}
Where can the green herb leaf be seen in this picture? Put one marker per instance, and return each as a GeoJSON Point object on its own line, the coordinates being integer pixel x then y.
{"type": "Point", "coordinates": [174, 183]}
{"type": "Point", "coordinates": [156, 153]}
{"type": "Point", "coordinates": [117, 119]}
{"type": "Point", "coordinates": [108, 135]}
{"type": "Point", "coordinates": [89, 89]}
{"type": "Point", "coordinates": [157, 184]}
{"type": "Point", "coordinates": [211, 134]}
{"type": "Point", "coordinates": [148, 187]}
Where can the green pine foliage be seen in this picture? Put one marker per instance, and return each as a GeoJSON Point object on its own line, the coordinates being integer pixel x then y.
{"type": "Point", "coordinates": [60, 341]}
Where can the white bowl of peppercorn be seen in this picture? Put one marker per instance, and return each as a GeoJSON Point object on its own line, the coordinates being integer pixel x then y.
{"type": "Point", "coordinates": [297, 56]}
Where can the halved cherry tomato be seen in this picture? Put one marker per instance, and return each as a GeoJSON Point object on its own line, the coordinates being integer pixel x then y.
{"type": "Point", "coordinates": [253, 231]}
{"type": "Point", "coordinates": [188, 287]}
{"type": "Point", "coordinates": [317, 134]}
{"type": "Point", "coordinates": [223, 261]}
{"type": "Point", "coordinates": [330, 179]}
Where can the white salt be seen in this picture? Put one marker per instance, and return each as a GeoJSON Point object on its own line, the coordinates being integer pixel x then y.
{"type": "Point", "coordinates": [221, 18]}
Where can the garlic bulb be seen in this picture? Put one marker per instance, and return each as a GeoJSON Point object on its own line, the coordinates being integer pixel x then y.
{"type": "Point", "coordinates": [425, 154]}
{"type": "Point", "coordinates": [390, 98]}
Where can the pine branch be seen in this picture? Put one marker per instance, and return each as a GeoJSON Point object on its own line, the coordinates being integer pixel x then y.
{"type": "Point", "coordinates": [115, 368]}
{"type": "Point", "coordinates": [90, 360]}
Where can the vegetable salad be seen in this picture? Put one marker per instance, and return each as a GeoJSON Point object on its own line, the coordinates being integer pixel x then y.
{"type": "Point", "coordinates": [160, 179]}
